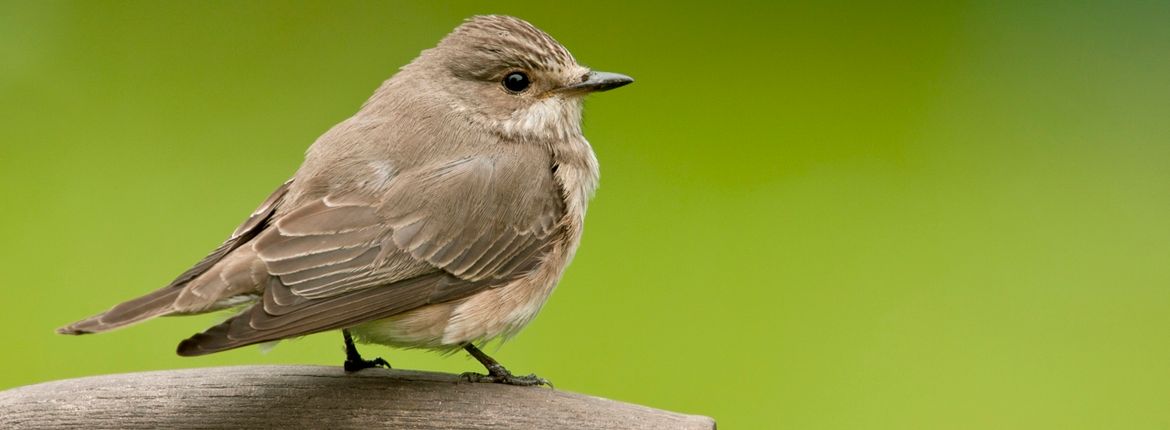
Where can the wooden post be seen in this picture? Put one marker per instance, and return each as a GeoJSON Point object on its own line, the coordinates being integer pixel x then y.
{"type": "Point", "coordinates": [311, 397]}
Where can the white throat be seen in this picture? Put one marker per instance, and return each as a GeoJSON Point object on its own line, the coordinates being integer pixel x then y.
{"type": "Point", "coordinates": [551, 118]}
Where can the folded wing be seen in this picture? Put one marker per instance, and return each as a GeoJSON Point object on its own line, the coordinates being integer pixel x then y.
{"type": "Point", "coordinates": [437, 233]}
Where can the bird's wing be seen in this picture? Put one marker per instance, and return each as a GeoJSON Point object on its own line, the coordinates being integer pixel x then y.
{"type": "Point", "coordinates": [437, 233]}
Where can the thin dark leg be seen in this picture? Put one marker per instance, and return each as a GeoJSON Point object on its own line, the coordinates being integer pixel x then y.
{"type": "Point", "coordinates": [354, 361]}
{"type": "Point", "coordinates": [497, 373]}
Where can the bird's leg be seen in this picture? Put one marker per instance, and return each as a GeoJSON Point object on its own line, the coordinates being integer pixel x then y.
{"type": "Point", "coordinates": [354, 361]}
{"type": "Point", "coordinates": [497, 373]}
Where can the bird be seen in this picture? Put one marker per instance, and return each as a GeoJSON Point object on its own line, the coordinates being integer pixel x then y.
{"type": "Point", "coordinates": [440, 216]}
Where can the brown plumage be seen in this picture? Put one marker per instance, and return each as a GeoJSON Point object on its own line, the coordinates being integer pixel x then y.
{"type": "Point", "coordinates": [440, 215]}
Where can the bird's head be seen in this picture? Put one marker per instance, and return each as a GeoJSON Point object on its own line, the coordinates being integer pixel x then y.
{"type": "Point", "coordinates": [509, 76]}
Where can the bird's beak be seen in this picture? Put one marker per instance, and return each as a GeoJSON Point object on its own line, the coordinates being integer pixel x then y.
{"type": "Point", "coordinates": [600, 81]}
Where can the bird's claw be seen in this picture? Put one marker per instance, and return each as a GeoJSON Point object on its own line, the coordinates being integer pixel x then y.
{"type": "Point", "coordinates": [508, 378]}
{"type": "Point", "coordinates": [354, 365]}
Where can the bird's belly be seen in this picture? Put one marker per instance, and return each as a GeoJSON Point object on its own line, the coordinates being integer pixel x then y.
{"type": "Point", "coordinates": [489, 314]}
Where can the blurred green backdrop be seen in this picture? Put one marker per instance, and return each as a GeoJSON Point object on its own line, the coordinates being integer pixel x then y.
{"type": "Point", "coordinates": [812, 215]}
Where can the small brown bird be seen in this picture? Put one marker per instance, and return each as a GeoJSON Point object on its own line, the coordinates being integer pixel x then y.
{"type": "Point", "coordinates": [440, 216]}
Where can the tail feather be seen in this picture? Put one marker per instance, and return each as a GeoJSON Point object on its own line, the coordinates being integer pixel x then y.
{"type": "Point", "coordinates": [158, 303]}
{"type": "Point", "coordinates": [162, 302]}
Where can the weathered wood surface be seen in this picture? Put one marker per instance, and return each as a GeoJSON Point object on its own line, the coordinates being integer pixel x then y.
{"type": "Point", "coordinates": [308, 397]}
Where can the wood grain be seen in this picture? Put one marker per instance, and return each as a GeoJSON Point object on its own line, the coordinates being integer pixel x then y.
{"type": "Point", "coordinates": [307, 397]}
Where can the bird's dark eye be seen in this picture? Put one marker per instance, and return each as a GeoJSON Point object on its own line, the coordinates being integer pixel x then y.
{"type": "Point", "coordinates": [516, 82]}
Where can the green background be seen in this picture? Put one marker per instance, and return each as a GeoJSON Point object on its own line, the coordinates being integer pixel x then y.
{"type": "Point", "coordinates": [824, 215]}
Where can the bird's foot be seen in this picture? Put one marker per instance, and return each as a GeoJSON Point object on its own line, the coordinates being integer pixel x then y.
{"type": "Point", "coordinates": [499, 375]}
{"type": "Point", "coordinates": [354, 361]}
{"type": "Point", "coordinates": [353, 364]}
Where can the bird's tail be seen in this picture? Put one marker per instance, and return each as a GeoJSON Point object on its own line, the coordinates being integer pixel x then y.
{"type": "Point", "coordinates": [158, 303]}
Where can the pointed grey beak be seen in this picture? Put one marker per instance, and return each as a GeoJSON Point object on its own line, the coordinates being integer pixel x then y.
{"type": "Point", "coordinates": [600, 81]}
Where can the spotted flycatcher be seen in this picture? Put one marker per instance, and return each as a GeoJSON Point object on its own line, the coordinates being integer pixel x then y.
{"type": "Point", "coordinates": [440, 216]}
